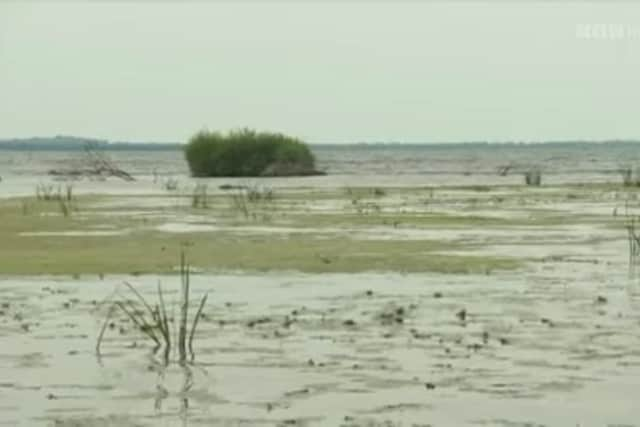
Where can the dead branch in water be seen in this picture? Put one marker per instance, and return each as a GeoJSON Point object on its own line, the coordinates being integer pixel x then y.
{"type": "Point", "coordinates": [94, 163]}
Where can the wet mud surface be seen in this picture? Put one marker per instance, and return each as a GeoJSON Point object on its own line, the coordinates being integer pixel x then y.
{"type": "Point", "coordinates": [557, 344]}
{"type": "Point", "coordinates": [555, 341]}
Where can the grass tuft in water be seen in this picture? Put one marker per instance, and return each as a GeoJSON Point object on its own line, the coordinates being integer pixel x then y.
{"type": "Point", "coordinates": [153, 321]}
{"type": "Point", "coordinates": [199, 197]}
{"type": "Point", "coordinates": [533, 177]}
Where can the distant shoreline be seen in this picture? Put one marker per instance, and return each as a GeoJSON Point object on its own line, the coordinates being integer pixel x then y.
{"type": "Point", "coordinates": [78, 144]}
{"type": "Point", "coordinates": [63, 143]}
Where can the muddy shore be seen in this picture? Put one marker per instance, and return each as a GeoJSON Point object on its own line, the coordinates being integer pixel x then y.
{"type": "Point", "coordinates": [354, 306]}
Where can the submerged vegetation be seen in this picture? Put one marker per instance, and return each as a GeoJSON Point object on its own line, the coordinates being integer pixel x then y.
{"type": "Point", "coordinates": [247, 153]}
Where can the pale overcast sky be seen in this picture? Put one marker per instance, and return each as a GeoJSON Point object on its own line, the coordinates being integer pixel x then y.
{"type": "Point", "coordinates": [326, 72]}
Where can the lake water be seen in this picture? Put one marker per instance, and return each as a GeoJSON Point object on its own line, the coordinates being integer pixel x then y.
{"type": "Point", "coordinates": [393, 164]}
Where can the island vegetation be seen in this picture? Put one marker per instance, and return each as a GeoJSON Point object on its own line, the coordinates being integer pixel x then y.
{"type": "Point", "coordinates": [248, 153]}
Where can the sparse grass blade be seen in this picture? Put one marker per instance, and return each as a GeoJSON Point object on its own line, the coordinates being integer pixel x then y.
{"type": "Point", "coordinates": [141, 324]}
{"type": "Point", "coordinates": [184, 309]}
{"type": "Point", "coordinates": [140, 298]}
{"type": "Point", "coordinates": [196, 319]}
{"type": "Point", "coordinates": [104, 328]}
{"type": "Point", "coordinates": [164, 321]}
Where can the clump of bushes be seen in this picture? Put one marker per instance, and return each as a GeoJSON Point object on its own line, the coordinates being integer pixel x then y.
{"type": "Point", "coordinates": [247, 153]}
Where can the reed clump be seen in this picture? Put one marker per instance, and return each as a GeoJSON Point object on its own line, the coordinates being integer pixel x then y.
{"type": "Point", "coordinates": [633, 235]}
{"type": "Point", "coordinates": [153, 321]}
{"type": "Point", "coordinates": [533, 177]}
{"type": "Point", "coordinates": [199, 196]}
{"type": "Point", "coordinates": [170, 184]}
{"type": "Point", "coordinates": [51, 193]}
{"type": "Point", "coordinates": [358, 198]}
{"type": "Point", "coordinates": [630, 177]}
{"type": "Point", "coordinates": [249, 200]}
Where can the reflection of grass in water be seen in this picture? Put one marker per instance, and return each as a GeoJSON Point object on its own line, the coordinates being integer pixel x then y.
{"type": "Point", "coordinates": [154, 323]}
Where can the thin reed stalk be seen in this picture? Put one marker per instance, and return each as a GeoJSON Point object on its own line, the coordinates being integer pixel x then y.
{"type": "Point", "coordinates": [104, 328]}
{"type": "Point", "coordinates": [196, 319]}
{"type": "Point", "coordinates": [633, 237]}
{"type": "Point", "coordinates": [140, 323]}
{"type": "Point", "coordinates": [184, 309]}
{"type": "Point", "coordinates": [163, 318]}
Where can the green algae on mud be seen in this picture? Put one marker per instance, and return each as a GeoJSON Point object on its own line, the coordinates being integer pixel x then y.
{"type": "Point", "coordinates": [155, 252]}
{"type": "Point", "coordinates": [309, 230]}
{"type": "Point", "coordinates": [144, 249]}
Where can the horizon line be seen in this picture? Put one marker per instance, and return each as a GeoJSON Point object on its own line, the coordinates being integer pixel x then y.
{"type": "Point", "coordinates": [70, 139]}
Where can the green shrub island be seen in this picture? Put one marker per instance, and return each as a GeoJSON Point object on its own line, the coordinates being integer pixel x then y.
{"type": "Point", "coordinates": [248, 153]}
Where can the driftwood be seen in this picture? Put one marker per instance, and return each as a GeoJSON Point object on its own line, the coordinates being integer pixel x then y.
{"type": "Point", "coordinates": [94, 163]}
{"type": "Point", "coordinates": [102, 172]}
